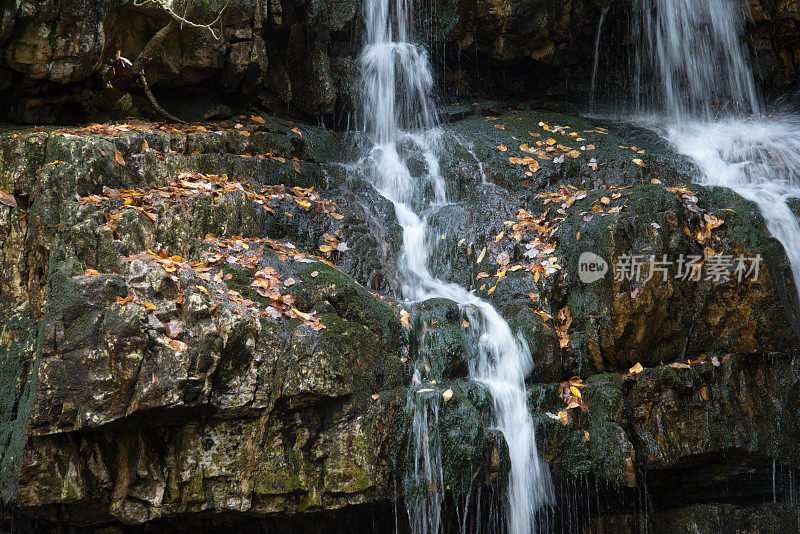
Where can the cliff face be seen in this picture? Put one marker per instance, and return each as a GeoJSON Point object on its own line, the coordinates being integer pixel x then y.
{"type": "Point", "coordinates": [199, 324]}
{"type": "Point", "coordinates": [194, 338]}
{"type": "Point", "coordinates": [160, 370]}
{"type": "Point", "coordinates": [60, 59]}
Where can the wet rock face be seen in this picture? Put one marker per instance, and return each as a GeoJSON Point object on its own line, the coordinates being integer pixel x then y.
{"type": "Point", "coordinates": [167, 390]}
{"type": "Point", "coordinates": [149, 390]}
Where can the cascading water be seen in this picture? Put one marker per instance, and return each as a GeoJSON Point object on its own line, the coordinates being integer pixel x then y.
{"type": "Point", "coordinates": [706, 85]}
{"type": "Point", "coordinates": [698, 58]}
{"type": "Point", "coordinates": [400, 119]}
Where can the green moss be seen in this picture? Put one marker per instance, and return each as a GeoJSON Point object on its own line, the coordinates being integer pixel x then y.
{"type": "Point", "coordinates": [20, 351]}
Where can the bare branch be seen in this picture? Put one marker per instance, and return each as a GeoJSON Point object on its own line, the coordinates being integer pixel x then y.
{"type": "Point", "coordinates": [184, 20]}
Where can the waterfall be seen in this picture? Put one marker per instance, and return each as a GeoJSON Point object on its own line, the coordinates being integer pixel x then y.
{"type": "Point", "coordinates": [699, 61]}
{"type": "Point", "coordinates": [706, 86]}
{"type": "Point", "coordinates": [401, 122]}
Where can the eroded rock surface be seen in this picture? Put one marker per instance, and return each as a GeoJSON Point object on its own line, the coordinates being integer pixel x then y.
{"type": "Point", "coordinates": [155, 371]}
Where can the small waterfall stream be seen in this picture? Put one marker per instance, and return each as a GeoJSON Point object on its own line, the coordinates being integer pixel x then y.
{"type": "Point", "coordinates": [705, 84]}
{"type": "Point", "coordinates": [401, 122]}
{"type": "Point", "coordinates": [596, 65]}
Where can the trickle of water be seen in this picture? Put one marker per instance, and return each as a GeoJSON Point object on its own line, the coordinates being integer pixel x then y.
{"type": "Point", "coordinates": [400, 119]}
{"type": "Point", "coordinates": [596, 66]}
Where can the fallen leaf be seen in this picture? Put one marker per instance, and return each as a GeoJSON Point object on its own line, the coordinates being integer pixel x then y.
{"type": "Point", "coordinates": [118, 158]}
{"type": "Point", "coordinates": [639, 162]}
{"type": "Point", "coordinates": [180, 346]}
{"type": "Point", "coordinates": [7, 198]}
{"type": "Point", "coordinates": [404, 319]}
{"type": "Point", "coordinates": [289, 282]}
{"type": "Point", "coordinates": [482, 254]}
{"type": "Point", "coordinates": [314, 274]}
{"type": "Point", "coordinates": [636, 369]}
{"type": "Point", "coordinates": [447, 395]}
{"type": "Point", "coordinates": [680, 365]}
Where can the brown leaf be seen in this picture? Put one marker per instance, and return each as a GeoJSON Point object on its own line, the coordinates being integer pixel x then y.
{"type": "Point", "coordinates": [180, 346]}
{"type": "Point", "coordinates": [118, 158]}
{"type": "Point", "coordinates": [7, 198]}
{"type": "Point", "coordinates": [679, 365]}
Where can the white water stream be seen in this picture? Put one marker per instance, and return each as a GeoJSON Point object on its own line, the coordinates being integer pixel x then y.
{"type": "Point", "coordinates": [706, 87]}
{"type": "Point", "coordinates": [400, 119]}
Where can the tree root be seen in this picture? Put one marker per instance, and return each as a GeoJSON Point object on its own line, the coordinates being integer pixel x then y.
{"type": "Point", "coordinates": [155, 103]}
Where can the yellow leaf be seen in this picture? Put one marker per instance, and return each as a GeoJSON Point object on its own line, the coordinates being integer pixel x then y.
{"type": "Point", "coordinates": [575, 391]}
{"type": "Point", "coordinates": [375, 396]}
{"type": "Point", "coordinates": [257, 119]}
{"type": "Point", "coordinates": [605, 200]}
{"type": "Point", "coordinates": [297, 131]}
{"type": "Point", "coordinates": [447, 395]}
{"type": "Point", "coordinates": [404, 319]}
{"type": "Point", "coordinates": [639, 162]}
{"type": "Point", "coordinates": [636, 369]}
{"type": "Point", "coordinates": [482, 254]}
